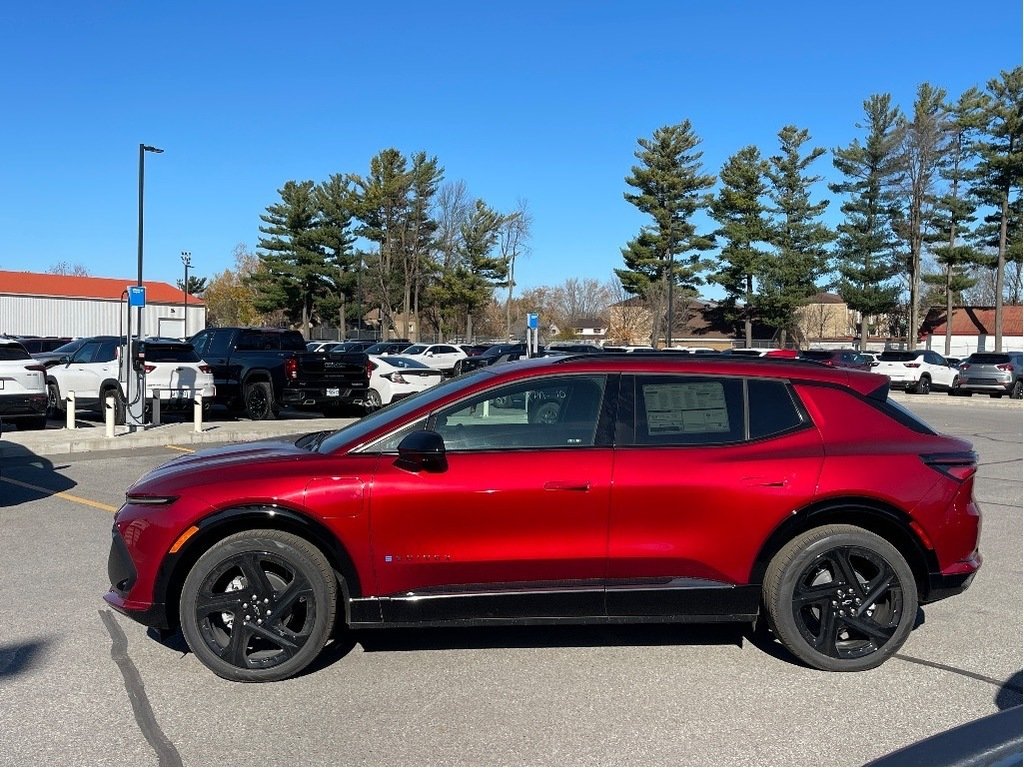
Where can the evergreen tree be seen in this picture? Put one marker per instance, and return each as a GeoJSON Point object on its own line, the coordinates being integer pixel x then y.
{"type": "Point", "coordinates": [670, 189]}
{"type": "Point", "coordinates": [788, 275]}
{"type": "Point", "coordinates": [954, 212]}
{"type": "Point", "coordinates": [334, 199]}
{"type": "Point", "coordinates": [999, 170]}
{"type": "Point", "coordinates": [925, 144]}
{"type": "Point", "coordinates": [866, 247]}
{"type": "Point", "coordinates": [196, 285]}
{"type": "Point", "coordinates": [293, 264]}
{"type": "Point", "coordinates": [739, 209]}
{"type": "Point", "coordinates": [425, 176]}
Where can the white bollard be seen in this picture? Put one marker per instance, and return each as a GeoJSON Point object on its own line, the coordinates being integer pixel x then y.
{"type": "Point", "coordinates": [108, 414]}
{"type": "Point", "coordinates": [197, 412]}
{"type": "Point", "coordinates": [155, 416]}
{"type": "Point", "coordinates": [69, 405]}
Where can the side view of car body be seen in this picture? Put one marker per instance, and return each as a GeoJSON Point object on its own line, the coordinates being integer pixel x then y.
{"type": "Point", "coordinates": [394, 377]}
{"type": "Point", "coordinates": [592, 488]}
{"type": "Point", "coordinates": [443, 357]}
{"type": "Point", "coordinates": [22, 387]}
{"type": "Point", "coordinates": [838, 358]}
{"type": "Point", "coordinates": [916, 370]}
{"type": "Point", "coordinates": [992, 373]}
{"type": "Point", "coordinates": [92, 372]}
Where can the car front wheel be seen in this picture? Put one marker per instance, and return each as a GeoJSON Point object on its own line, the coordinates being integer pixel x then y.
{"type": "Point", "coordinates": [258, 606]}
{"type": "Point", "coordinates": [840, 598]}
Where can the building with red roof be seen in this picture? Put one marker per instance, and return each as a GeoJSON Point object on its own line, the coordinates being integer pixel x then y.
{"type": "Point", "coordinates": [973, 329]}
{"type": "Point", "coordinates": [40, 304]}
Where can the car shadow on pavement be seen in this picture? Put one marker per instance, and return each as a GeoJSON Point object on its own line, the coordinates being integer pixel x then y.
{"type": "Point", "coordinates": [25, 477]}
{"type": "Point", "coordinates": [1012, 693]}
{"type": "Point", "coordinates": [548, 636]}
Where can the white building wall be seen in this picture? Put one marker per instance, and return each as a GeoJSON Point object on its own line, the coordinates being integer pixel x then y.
{"type": "Point", "coordinates": [962, 346]}
{"type": "Point", "coordinates": [49, 316]}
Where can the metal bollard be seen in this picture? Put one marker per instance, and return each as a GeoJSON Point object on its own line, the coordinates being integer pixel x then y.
{"type": "Point", "coordinates": [197, 412]}
{"type": "Point", "coordinates": [155, 417]}
{"type": "Point", "coordinates": [108, 415]}
{"type": "Point", "coordinates": [69, 405]}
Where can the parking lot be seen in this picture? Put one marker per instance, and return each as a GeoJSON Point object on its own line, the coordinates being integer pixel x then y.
{"type": "Point", "coordinates": [84, 685]}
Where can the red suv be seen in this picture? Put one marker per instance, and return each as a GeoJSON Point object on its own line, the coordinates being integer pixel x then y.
{"type": "Point", "coordinates": [598, 488]}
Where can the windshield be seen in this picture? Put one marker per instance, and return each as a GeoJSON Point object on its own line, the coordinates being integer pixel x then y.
{"type": "Point", "coordinates": [395, 412]}
{"type": "Point", "coordinates": [405, 362]}
{"type": "Point", "coordinates": [990, 358]}
{"type": "Point", "coordinates": [415, 349]}
{"type": "Point", "coordinates": [70, 347]}
{"type": "Point", "coordinates": [896, 356]}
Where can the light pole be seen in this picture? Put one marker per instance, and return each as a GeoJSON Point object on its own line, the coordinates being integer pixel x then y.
{"type": "Point", "coordinates": [143, 149]}
{"type": "Point", "coordinates": [186, 259]}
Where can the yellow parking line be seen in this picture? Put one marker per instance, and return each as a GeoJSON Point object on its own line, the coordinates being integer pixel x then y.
{"type": "Point", "coordinates": [61, 494]}
{"type": "Point", "coordinates": [179, 448]}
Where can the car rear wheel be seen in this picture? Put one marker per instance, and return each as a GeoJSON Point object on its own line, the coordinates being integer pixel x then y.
{"type": "Point", "coordinates": [119, 405]}
{"type": "Point", "coordinates": [259, 401]}
{"type": "Point", "coordinates": [924, 386]}
{"type": "Point", "coordinates": [840, 598]}
{"type": "Point", "coordinates": [1018, 390]}
{"type": "Point", "coordinates": [258, 606]}
{"type": "Point", "coordinates": [372, 401]}
{"type": "Point", "coordinates": [54, 405]}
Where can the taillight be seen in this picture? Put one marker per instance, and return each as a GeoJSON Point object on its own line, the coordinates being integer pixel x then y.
{"type": "Point", "coordinates": [291, 368]}
{"type": "Point", "coordinates": [959, 465]}
{"type": "Point", "coordinates": [964, 366]}
{"type": "Point", "coordinates": [912, 365]}
{"type": "Point", "coordinates": [39, 368]}
{"type": "Point", "coordinates": [1004, 367]}
{"type": "Point", "coordinates": [205, 369]}
{"type": "Point", "coordinates": [370, 368]}
{"type": "Point", "coordinates": [395, 377]}
{"type": "Point", "coordinates": [149, 368]}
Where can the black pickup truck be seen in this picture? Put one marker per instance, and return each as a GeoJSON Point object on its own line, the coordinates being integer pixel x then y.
{"type": "Point", "coordinates": [261, 370]}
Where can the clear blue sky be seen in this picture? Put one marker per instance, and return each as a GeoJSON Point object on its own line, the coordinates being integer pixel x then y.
{"type": "Point", "coordinates": [535, 100]}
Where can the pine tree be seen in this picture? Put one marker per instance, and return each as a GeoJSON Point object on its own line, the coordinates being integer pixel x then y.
{"type": "Point", "coordinates": [789, 274]}
{"type": "Point", "coordinates": [334, 199]}
{"type": "Point", "coordinates": [925, 143]}
{"type": "Point", "coordinates": [954, 212]}
{"type": "Point", "coordinates": [293, 263]}
{"type": "Point", "coordinates": [866, 247]}
{"type": "Point", "coordinates": [739, 209]}
{"type": "Point", "coordinates": [670, 188]}
{"type": "Point", "coordinates": [999, 169]}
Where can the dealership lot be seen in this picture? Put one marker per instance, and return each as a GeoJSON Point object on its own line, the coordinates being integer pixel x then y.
{"type": "Point", "coordinates": [84, 685]}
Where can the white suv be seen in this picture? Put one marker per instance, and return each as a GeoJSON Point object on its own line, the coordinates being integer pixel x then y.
{"type": "Point", "coordinates": [916, 370]}
{"type": "Point", "coordinates": [22, 387]}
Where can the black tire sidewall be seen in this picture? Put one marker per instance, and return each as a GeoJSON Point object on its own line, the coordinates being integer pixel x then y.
{"type": "Point", "coordinates": [300, 555]}
{"type": "Point", "coordinates": [794, 560]}
{"type": "Point", "coordinates": [268, 412]}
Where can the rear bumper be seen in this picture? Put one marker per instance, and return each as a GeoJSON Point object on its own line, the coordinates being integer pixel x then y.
{"type": "Point", "coordinates": [324, 395]}
{"type": "Point", "coordinates": [953, 580]}
{"type": "Point", "coordinates": [23, 404]}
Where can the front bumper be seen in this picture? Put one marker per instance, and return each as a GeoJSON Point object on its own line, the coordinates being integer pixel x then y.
{"type": "Point", "coordinates": [122, 573]}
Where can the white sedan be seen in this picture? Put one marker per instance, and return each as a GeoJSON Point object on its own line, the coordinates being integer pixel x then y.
{"type": "Point", "coordinates": [395, 377]}
{"type": "Point", "coordinates": [440, 356]}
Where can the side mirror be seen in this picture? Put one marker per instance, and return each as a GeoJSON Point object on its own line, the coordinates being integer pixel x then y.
{"type": "Point", "coordinates": [65, 360]}
{"type": "Point", "coordinates": [423, 449]}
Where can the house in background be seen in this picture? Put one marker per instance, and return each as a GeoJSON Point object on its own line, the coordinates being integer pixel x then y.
{"type": "Point", "coordinates": [973, 330]}
{"type": "Point", "coordinates": [41, 304]}
{"type": "Point", "coordinates": [698, 323]}
{"type": "Point", "coordinates": [592, 329]}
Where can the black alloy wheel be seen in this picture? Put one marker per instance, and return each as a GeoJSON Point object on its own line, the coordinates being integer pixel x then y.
{"type": "Point", "coordinates": [259, 401]}
{"type": "Point", "coordinates": [1018, 390]}
{"type": "Point", "coordinates": [258, 606]}
{"type": "Point", "coordinates": [840, 598]}
{"type": "Point", "coordinates": [924, 386]}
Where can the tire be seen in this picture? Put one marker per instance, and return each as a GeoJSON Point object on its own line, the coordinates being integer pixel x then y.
{"type": "Point", "coordinates": [54, 405]}
{"type": "Point", "coordinates": [954, 385]}
{"type": "Point", "coordinates": [295, 597]}
{"type": "Point", "coordinates": [120, 408]}
{"type": "Point", "coordinates": [1018, 390]}
{"type": "Point", "coordinates": [259, 401]}
{"type": "Point", "coordinates": [924, 386]}
{"type": "Point", "coordinates": [857, 581]}
{"type": "Point", "coordinates": [457, 370]}
{"type": "Point", "coordinates": [372, 401]}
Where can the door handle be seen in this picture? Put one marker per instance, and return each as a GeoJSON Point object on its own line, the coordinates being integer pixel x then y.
{"type": "Point", "coordinates": [567, 485]}
{"type": "Point", "coordinates": [764, 482]}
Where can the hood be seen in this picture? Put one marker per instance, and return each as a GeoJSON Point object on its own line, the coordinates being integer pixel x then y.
{"type": "Point", "coordinates": [191, 469]}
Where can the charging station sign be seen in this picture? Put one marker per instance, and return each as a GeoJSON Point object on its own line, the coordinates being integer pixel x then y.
{"type": "Point", "coordinates": [136, 295]}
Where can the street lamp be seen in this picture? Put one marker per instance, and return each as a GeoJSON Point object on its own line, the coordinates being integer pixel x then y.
{"type": "Point", "coordinates": [143, 149]}
{"type": "Point", "coordinates": [186, 259]}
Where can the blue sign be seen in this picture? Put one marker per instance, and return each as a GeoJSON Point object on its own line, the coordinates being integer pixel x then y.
{"type": "Point", "coordinates": [136, 295]}
{"type": "Point", "coordinates": [532, 320]}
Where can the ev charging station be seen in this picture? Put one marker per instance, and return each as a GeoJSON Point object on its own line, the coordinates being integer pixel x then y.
{"type": "Point", "coordinates": [532, 333]}
{"type": "Point", "coordinates": [134, 374]}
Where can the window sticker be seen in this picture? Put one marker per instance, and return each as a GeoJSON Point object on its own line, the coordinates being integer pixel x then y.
{"type": "Point", "coordinates": [679, 407]}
